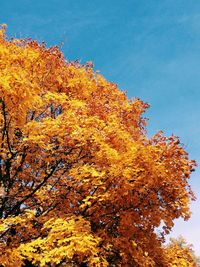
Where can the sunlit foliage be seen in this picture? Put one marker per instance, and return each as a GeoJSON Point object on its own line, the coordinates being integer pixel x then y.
{"type": "Point", "coordinates": [181, 254]}
{"type": "Point", "coordinates": [81, 184]}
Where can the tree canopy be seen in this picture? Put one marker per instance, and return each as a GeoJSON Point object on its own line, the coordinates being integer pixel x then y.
{"type": "Point", "coordinates": [81, 184]}
{"type": "Point", "coordinates": [180, 253]}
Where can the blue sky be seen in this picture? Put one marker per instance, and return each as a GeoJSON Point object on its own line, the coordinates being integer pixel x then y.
{"type": "Point", "coordinates": [150, 48]}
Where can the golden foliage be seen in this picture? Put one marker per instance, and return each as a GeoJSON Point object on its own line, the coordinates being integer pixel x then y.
{"type": "Point", "coordinates": [80, 180]}
{"type": "Point", "coordinates": [180, 254]}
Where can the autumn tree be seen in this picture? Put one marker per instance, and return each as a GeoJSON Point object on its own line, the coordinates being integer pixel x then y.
{"type": "Point", "coordinates": [180, 253]}
{"type": "Point", "coordinates": [81, 184]}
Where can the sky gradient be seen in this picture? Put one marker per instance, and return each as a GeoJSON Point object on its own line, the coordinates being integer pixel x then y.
{"type": "Point", "coordinates": [149, 48]}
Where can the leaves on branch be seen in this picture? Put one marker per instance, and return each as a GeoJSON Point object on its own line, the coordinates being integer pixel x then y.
{"type": "Point", "coordinates": [81, 183]}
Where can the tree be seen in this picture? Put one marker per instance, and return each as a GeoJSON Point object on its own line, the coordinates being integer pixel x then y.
{"type": "Point", "coordinates": [81, 183]}
{"type": "Point", "coordinates": [181, 254]}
